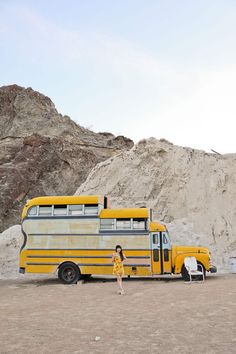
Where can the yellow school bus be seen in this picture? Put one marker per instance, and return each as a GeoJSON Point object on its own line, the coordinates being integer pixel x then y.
{"type": "Point", "coordinates": [74, 236]}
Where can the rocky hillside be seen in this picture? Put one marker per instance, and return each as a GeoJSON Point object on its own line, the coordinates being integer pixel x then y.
{"type": "Point", "coordinates": [192, 191]}
{"type": "Point", "coordinates": [43, 152]}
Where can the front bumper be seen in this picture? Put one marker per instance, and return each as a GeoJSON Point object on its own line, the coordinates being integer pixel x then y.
{"type": "Point", "coordinates": [213, 269]}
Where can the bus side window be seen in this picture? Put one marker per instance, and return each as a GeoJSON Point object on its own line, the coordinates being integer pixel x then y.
{"type": "Point", "coordinates": [60, 210]}
{"type": "Point", "coordinates": [91, 209]}
{"type": "Point", "coordinates": [76, 210]}
{"type": "Point", "coordinates": [32, 211]}
{"type": "Point", "coordinates": [139, 224]}
{"type": "Point", "coordinates": [45, 210]}
{"type": "Point", "coordinates": [123, 224]}
{"type": "Point", "coordinates": [107, 224]}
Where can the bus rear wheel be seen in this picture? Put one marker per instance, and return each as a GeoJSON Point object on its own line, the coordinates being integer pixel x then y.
{"type": "Point", "coordinates": [69, 273]}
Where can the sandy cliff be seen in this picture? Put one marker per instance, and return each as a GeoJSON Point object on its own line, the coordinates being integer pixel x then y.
{"type": "Point", "coordinates": [192, 191]}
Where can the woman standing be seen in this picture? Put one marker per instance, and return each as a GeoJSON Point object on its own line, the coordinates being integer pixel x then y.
{"type": "Point", "coordinates": [118, 258]}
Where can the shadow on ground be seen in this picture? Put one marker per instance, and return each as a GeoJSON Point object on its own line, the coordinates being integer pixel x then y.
{"type": "Point", "coordinates": [49, 281]}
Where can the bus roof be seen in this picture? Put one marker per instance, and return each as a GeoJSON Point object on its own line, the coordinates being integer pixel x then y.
{"type": "Point", "coordinates": [156, 226]}
{"type": "Point", "coordinates": [124, 213]}
{"type": "Point", "coordinates": [74, 199]}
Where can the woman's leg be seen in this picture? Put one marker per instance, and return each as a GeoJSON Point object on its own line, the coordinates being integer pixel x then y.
{"type": "Point", "coordinates": [118, 283]}
{"type": "Point", "coordinates": [121, 286]}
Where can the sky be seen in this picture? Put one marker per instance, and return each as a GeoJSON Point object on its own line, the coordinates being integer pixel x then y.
{"type": "Point", "coordinates": [139, 68]}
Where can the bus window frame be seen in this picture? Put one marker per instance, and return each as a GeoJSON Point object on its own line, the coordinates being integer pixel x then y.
{"type": "Point", "coordinates": [91, 205]}
{"type": "Point", "coordinates": [83, 207]}
{"type": "Point", "coordinates": [124, 219]}
{"type": "Point", "coordinates": [131, 225]}
{"type": "Point", "coordinates": [102, 229]}
{"type": "Point", "coordinates": [37, 211]}
{"type": "Point", "coordinates": [61, 215]}
{"type": "Point", "coordinates": [145, 220]}
{"type": "Point", "coordinates": [53, 208]}
{"type": "Point", "coordinates": [45, 215]}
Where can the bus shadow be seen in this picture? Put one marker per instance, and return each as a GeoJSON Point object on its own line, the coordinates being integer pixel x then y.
{"type": "Point", "coordinates": [36, 282]}
{"type": "Point", "coordinates": [132, 279]}
{"type": "Point", "coordinates": [161, 278]}
{"type": "Point", "coordinates": [94, 280]}
{"type": "Point", "coordinates": [103, 279]}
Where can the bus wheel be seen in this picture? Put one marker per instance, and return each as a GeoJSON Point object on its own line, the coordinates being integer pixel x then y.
{"type": "Point", "coordinates": [199, 277]}
{"type": "Point", "coordinates": [69, 273]}
{"type": "Point", "coordinates": [185, 274]}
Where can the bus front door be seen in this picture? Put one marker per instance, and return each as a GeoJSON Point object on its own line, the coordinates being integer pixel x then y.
{"type": "Point", "coordinates": [165, 247]}
{"type": "Point", "coordinates": [156, 253]}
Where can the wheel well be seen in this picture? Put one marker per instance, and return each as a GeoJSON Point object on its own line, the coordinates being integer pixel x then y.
{"type": "Point", "coordinates": [67, 263]}
{"type": "Point", "coordinates": [198, 262]}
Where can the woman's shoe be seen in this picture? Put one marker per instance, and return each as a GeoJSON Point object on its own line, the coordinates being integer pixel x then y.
{"type": "Point", "coordinates": [122, 292]}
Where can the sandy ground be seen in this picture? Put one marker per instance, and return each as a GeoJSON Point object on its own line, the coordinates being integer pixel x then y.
{"type": "Point", "coordinates": [163, 315]}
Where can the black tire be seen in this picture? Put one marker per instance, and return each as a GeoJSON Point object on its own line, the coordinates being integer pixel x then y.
{"type": "Point", "coordinates": [185, 274]}
{"type": "Point", "coordinates": [199, 277]}
{"type": "Point", "coordinates": [69, 273]}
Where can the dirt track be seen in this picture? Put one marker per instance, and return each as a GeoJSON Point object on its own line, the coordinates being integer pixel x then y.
{"type": "Point", "coordinates": [155, 316]}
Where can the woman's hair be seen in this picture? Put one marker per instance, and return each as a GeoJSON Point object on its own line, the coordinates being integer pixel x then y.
{"type": "Point", "coordinates": [121, 252]}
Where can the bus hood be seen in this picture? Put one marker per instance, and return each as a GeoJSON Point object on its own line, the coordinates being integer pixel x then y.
{"type": "Point", "coordinates": [189, 249]}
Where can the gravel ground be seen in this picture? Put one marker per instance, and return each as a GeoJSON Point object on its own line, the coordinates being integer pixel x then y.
{"type": "Point", "coordinates": [156, 315]}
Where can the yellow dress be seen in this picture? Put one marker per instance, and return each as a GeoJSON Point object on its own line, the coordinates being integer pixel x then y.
{"type": "Point", "coordinates": [118, 268]}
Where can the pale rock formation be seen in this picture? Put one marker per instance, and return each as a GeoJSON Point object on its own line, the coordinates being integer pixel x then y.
{"type": "Point", "coordinates": [192, 191]}
{"type": "Point", "coordinates": [10, 243]}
